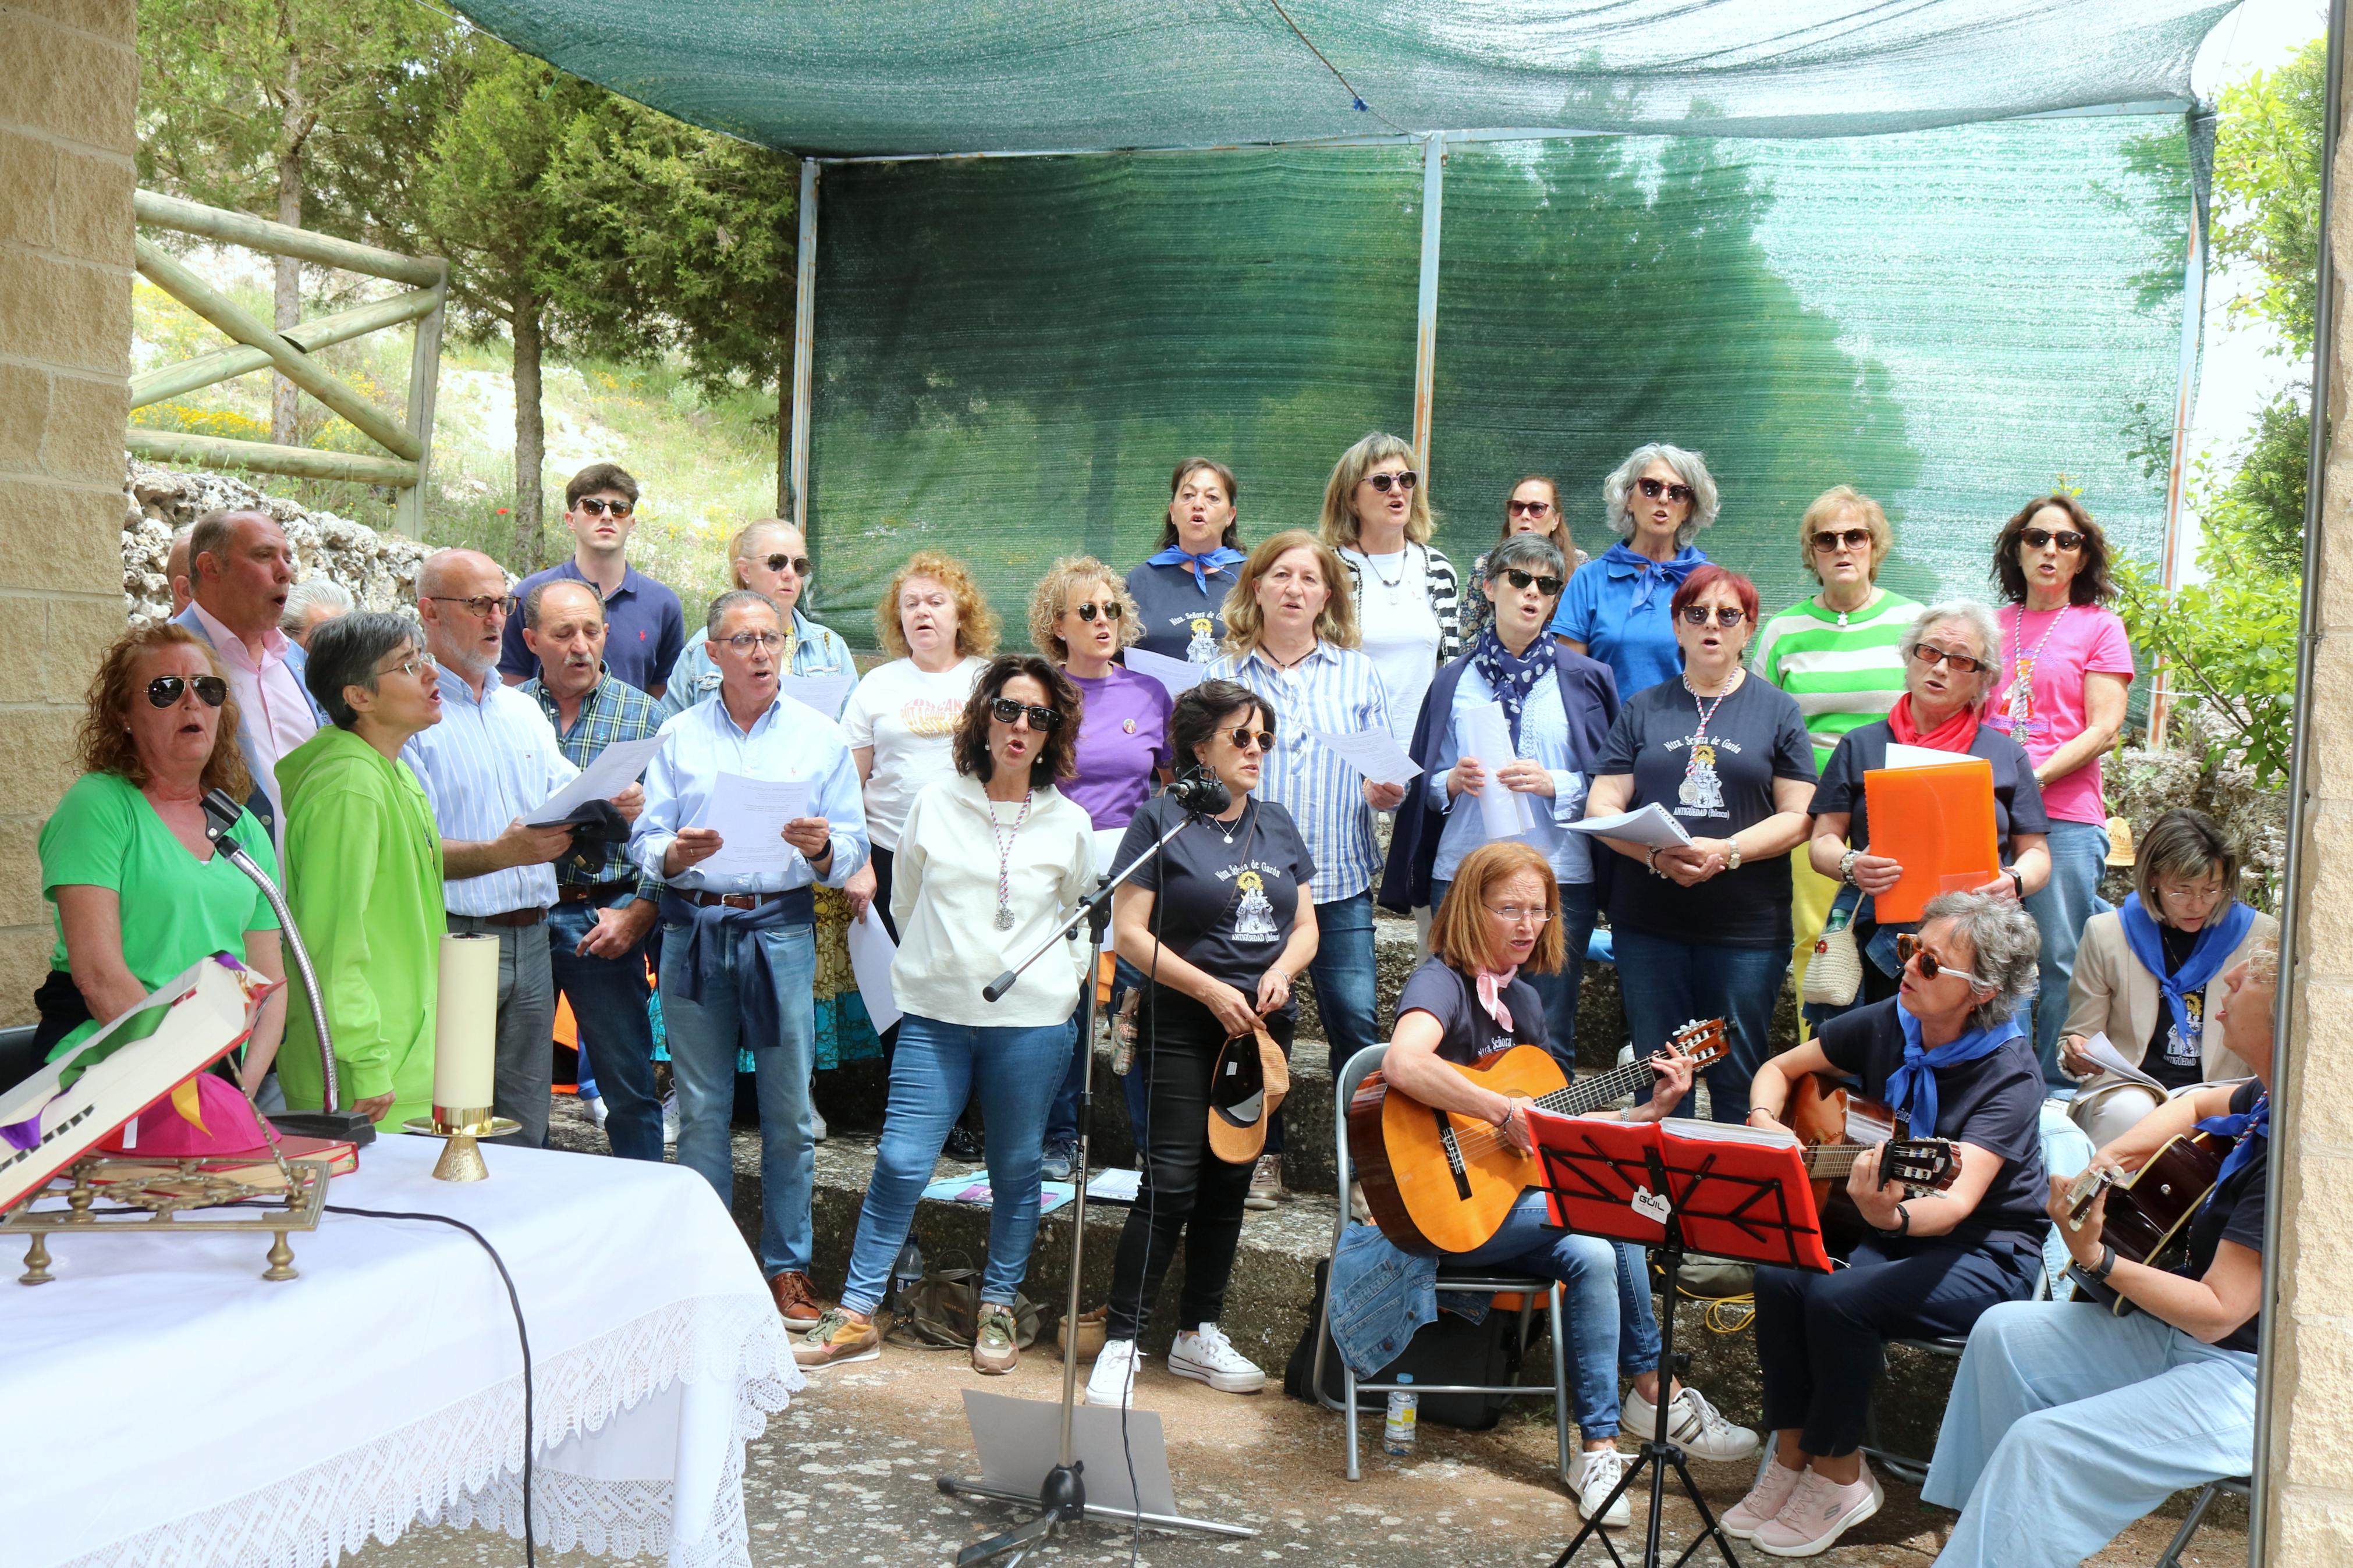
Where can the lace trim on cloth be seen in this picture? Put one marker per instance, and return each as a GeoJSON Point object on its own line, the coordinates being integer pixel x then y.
{"type": "Point", "coordinates": [463, 1465]}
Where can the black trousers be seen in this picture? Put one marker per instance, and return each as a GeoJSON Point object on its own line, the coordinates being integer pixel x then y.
{"type": "Point", "coordinates": [1823, 1339]}
{"type": "Point", "coordinates": [1187, 1193]}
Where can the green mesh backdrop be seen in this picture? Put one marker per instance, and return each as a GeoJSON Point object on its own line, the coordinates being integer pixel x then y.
{"type": "Point", "coordinates": [1012, 354]}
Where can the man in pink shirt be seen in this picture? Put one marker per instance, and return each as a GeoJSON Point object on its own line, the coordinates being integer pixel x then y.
{"type": "Point", "coordinates": [239, 571]}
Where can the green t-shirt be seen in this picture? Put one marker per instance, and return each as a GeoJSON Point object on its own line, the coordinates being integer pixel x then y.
{"type": "Point", "coordinates": [1842, 675]}
{"type": "Point", "coordinates": [176, 908]}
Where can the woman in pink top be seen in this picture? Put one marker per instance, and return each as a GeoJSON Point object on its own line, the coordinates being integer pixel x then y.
{"type": "Point", "coordinates": [2065, 666]}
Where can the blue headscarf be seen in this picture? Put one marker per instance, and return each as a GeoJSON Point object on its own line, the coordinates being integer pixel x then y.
{"type": "Point", "coordinates": [2246, 1128]}
{"type": "Point", "coordinates": [1222, 555]}
{"type": "Point", "coordinates": [1623, 560]}
{"type": "Point", "coordinates": [1914, 1084]}
{"type": "Point", "coordinates": [2216, 941]}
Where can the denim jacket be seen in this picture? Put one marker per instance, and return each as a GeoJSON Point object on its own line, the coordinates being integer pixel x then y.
{"type": "Point", "coordinates": [1380, 1296]}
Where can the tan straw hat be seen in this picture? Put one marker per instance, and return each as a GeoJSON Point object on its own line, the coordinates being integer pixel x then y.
{"type": "Point", "coordinates": [2120, 841]}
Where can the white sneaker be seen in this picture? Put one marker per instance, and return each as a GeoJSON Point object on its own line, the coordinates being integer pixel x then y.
{"type": "Point", "coordinates": [1819, 1512]}
{"type": "Point", "coordinates": [596, 1111]}
{"type": "Point", "coordinates": [1113, 1380]}
{"type": "Point", "coordinates": [816, 1125]}
{"type": "Point", "coordinates": [1266, 1184]}
{"type": "Point", "coordinates": [1598, 1472]}
{"type": "Point", "coordinates": [1692, 1425]}
{"type": "Point", "coordinates": [669, 1117]}
{"type": "Point", "coordinates": [1205, 1355]}
{"type": "Point", "coordinates": [1766, 1499]}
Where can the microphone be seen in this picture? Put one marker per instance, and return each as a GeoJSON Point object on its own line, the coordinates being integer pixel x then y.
{"type": "Point", "coordinates": [1200, 790]}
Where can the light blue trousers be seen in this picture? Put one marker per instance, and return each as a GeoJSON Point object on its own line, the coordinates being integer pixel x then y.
{"type": "Point", "coordinates": [2066, 1424]}
{"type": "Point", "coordinates": [2078, 858]}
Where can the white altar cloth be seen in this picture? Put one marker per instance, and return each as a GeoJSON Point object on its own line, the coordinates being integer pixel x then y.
{"type": "Point", "coordinates": [167, 1408]}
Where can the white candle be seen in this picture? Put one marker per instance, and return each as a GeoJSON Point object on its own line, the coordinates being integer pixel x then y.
{"type": "Point", "coordinates": [465, 1028]}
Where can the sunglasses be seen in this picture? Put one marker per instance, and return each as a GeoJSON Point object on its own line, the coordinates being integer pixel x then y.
{"type": "Point", "coordinates": [1697, 615]}
{"type": "Point", "coordinates": [597, 508]}
{"type": "Point", "coordinates": [1045, 721]}
{"type": "Point", "coordinates": [1109, 610]}
{"type": "Point", "coordinates": [482, 604]}
{"type": "Point", "coordinates": [1932, 656]}
{"type": "Point", "coordinates": [1852, 538]}
{"type": "Point", "coordinates": [798, 564]}
{"type": "Point", "coordinates": [1529, 508]}
{"type": "Point", "coordinates": [1909, 949]}
{"type": "Point", "coordinates": [1544, 586]}
{"type": "Point", "coordinates": [1654, 489]}
{"type": "Point", "coordinates": [1243, 738]}
{"type": "Point", "coordinates": [1386, 482]}
{"type": "Point", "coordinates": [2036, 538]}
{"type": "Point", "coordinates": [165, 689]}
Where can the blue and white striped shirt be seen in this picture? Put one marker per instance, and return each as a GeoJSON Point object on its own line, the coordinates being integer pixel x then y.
{"type": "Point", "coordinates": [484, 764]}
{"type": "Point", "coordinates": [1335, 689]}
{"type": "Point", "coordinates": [1544, 738]}
{"type": "Point", "coordinates": [790, 741]}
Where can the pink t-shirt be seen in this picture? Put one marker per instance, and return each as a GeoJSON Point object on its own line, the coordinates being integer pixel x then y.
{"type": "Point", "coordinates": [2056, 648]}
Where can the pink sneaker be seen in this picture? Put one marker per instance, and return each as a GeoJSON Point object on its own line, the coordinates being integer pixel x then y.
{"type": "Point", "coordinates": [1744, 1519]}
{"type": "Point", "coordinates": [1819, 1512]}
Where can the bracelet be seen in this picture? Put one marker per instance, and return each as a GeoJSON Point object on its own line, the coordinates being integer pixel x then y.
{"type": "Point", "coordinates": [2107, 1262]}
{"type": "Point", "coordinates": [1650, 860]}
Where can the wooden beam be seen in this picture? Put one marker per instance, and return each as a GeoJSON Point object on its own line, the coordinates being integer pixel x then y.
{"type": "Point", "coordinates": [305, 462]}
{"type": "Point", "coordinates": [280, 240]}
{"type": "Point", "coordinates": [424, 384]}
{"type": "Point", "coordinates": [297, 366]}
{"type": "Point", "coordinates": [227, 365]}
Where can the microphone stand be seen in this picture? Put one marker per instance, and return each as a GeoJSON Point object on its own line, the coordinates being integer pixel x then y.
{"type": "Point", "coordinates": [1063, 1499]}
{"type": "Point", "coordinates": [220, 814]}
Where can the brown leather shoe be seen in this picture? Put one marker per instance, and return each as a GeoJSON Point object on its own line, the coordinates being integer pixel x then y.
{"type": "Point", "coordinates": [797, 1300]}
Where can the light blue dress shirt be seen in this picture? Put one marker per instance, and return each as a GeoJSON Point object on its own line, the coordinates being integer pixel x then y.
{"type": "Point", "coordinates": [788, 742]}
{"type": "Point", "coordinates": [487, 763]}
{"type": "Point", "coordinates": [1335, 688]}
{"type": "Point", "coordinates": [1544, 738]}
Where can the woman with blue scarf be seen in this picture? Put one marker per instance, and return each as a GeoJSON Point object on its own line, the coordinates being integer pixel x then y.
{"type": "Point", "coordinates": [1948, 1053]}
{"type": "Point", "coordinates": [1180, 589]}
{"type": "Point", "coordinates": [2145, 974]}
{"type": "Point", "coordinates": [2067, 1422]}
{"type": "Point", "coordinates": [1617, 607]}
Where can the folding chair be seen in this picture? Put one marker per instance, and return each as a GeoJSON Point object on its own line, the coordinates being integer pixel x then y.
{"type": "Point", "coordinates": [2205, 1499]}
{"type": "Point", "coordinates": [1357, 1068]}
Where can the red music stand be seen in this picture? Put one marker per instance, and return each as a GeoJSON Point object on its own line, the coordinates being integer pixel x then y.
{"type": "Point", "coordinates": [1673, 1185]}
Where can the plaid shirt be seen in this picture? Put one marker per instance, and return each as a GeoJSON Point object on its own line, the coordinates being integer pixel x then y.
{"type": "Point", "coordinates": [613, 711]}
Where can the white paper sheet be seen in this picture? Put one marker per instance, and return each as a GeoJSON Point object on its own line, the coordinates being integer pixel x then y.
{"type": "Point", "coordinates": [1372, 752]}
{"type": "Point", "coordinates": [1900, 756]}
{"type": "Point", "coordinates": [1487, 735]}
{"type": "Point", "coordinates": [1115, 1186]}
{"type": "Point", "coordinates": [613, 770]}
{"type": "Point", "coordinates": [2102, 1050]}
{"type": "Point", "coordinates": [1178, 675]}
{"type": "Point", "coordinates": [749, 816]}
{"type": "Point", "coordinates": [1650, 825]}
{"type": "Point", "coordinates": [870, 953]}
{"type": "Point", "coordinates": [1107, 843]}
{"type": "Point", "coordinates": [825, 693]}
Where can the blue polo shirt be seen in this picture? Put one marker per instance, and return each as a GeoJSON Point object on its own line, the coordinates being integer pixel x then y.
{"type": "Point", "coordinates": [1636, 640]}
{"type": "Point", "coordinates": [645, 629]}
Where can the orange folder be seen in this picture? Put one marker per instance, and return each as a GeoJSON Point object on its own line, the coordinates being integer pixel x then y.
{"type": "Point", "coordinates": [1937, 823]}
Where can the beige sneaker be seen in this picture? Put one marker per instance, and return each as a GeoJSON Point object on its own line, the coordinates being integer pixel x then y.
{"type": "Point", "coordinates": [837, 1338]}
{"type": "Point", "coordinates": [1266, 1184]}
{"type": "Point", "coordinates": [994, 1350]}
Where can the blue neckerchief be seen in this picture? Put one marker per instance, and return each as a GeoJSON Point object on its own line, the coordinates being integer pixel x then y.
{"type": "Point", "coordinates": [2216, 941]}
{"type": "Point", "coordinates": [1914, 1085]}
{"type": "Point", "coordinates": [1512, 675]}
{"type": "Point", "coordinates": [1223, 555]}
{"type": "Point", "coordinates": [2246, 1128]}
{"type": "Point", "coordinates": [1621, 561]}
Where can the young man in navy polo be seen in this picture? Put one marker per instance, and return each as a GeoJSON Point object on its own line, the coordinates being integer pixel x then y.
{"type": "Point", "coordinates": [645, 629]}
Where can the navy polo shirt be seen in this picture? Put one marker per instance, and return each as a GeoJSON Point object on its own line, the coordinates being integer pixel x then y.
{"type": "Point", "coordinates": [645, 629]}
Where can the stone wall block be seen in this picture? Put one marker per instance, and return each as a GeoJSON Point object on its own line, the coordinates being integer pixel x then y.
{"type": "Point", "coordinates": [2325, 938]}
{"type": "Point", "coordinates": [85, 427]}
{"type": "Point", "coordinates": [21, 904]}
{"type": "Point", "coordinates": [88, 219]}
{"type": "Point", "coordinates": [58, 539]}
{"type": "Point", "coordinates": [68, 314]}
{"type": "Point", "coordinates": [28, 173]}
{"type": "Point", "coordinates": [39, 745]}
{"type": "Point", "coordinates": [82, 86]}
{"type": "Point", "coordinates": [23, 416]}
{"type": "Point", "coordinates": [79, 629]}
{"type": "Point", "coordinates": [24, 637]}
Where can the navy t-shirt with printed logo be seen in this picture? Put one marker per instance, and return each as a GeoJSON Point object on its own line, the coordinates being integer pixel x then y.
{"type": "Point", "coordinates": [1179, 620]}
{"type": "Point", "coordinates": [1471, 1032]}
{"type": "Point", "coordinates": [1228, 908]}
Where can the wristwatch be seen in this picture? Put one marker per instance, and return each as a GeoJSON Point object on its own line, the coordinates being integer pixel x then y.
{"type": "Point", "coordinates": [1903, 1225]}
{"type": "Point", "coordinates": [1732, 855]}
{"type": "Point", "coordinates": [2016, 880]}
{"type": "Point", "coordinates": [1846, 865]}
{"type": "Point", "coordinates": [2107, 1262]}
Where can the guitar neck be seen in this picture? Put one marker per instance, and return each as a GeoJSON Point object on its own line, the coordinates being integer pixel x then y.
{"type": "Point", "coordinates": [1595, 1093]}
{"type": "Point", "coordinates": [1832, 1160]}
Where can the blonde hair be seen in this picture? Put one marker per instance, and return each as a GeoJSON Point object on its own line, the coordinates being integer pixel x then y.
{"type": "Point", "coordinates": [1833, 503]}
{"type": "Point", "coordinates": [1246, 624]}
{"type": "Point", "coordinates": [1339, 525]}
{"type": "Point", "coordinates": [1461, 933]}
{"type": "Point", "coordinates": [752, 531]}
{"type": "Point", "coordinates": [977, 625]}
{"type": "Point", "coordinates": [1052, 597]}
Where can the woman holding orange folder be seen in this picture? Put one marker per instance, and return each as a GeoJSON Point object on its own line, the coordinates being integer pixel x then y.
{"type": "Point", "coordinates": [1952, 659]}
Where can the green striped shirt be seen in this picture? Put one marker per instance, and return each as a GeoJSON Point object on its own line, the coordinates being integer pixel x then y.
{"type": "Point", "coordinates": [1843, 677]}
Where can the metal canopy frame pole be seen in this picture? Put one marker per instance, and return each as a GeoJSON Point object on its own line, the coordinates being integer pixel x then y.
{"type": "Point", "coordinates": [803, 348]}
{"type": "Point", "coordinates": [1425, 347]}
{"type": "Point", "coordinates": [2185, 397]}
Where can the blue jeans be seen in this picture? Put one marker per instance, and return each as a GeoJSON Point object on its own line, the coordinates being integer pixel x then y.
{"type": "Point", "coordinates": [1607, 1312]}
{"type": "Point", "coordinates": [702, 1040]}
{"type": "Point", "coordinates": [2078, 858]}
{"type": "Point", "coordinates": [1062, 1122]}
{"type": "Point", "coordinates": [2066, 1424]}
{"type": "Point", "coordinates": [935, 1067]}
{"type": "Point", "coordinates": [608, 1006]}
{"type": "Point", "coordinates": [1668, 983]}
{"type": "Point", "coordinates": [1345, 987]}
{"type": "Point", "coordinates": [1558, 991]}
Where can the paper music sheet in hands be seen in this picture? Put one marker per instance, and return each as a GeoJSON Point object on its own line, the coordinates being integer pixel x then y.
{"type": "Point", "coordinates": [749, 816]}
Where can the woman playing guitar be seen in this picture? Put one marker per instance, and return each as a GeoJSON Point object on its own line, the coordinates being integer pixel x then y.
{"type": "Point", "coordinates": [1501, 918]}
{"type": "Point", "coordinates": [2067, 1422]}
{"type": "Point", "coordinates": [1949, 1054]}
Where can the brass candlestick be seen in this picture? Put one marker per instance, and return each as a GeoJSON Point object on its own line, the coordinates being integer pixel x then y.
{"type": "Point", "coordinates": [462, 1160]}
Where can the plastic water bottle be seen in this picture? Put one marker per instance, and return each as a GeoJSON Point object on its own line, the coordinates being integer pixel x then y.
{"type": "Point", "coordinates": [904, 1272]}
{"type": "Point", "coordinates": [1397, 1432]}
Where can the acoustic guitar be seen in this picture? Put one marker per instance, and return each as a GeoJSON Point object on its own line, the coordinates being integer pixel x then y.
{"type": "Point", "coordinates": [1836, 1125]}
{"type": "Point", "coordinates": [2150, 1210]}
{"type": "Point", "coordinates": [1439, 1182]}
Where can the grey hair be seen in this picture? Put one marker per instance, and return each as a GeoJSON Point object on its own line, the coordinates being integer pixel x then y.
{"type": "Point", "coordinates": [1526, 552]}
{"type": "Point", "coordinates": [1979, 618]}
{"type": "Point", "coordinates": [1690, 466]}
{"type": "Point", "coordinates": [307, 595]}
{"type": "Point", "coordinates": [735, 599]}
{"type": "Point", "coordinates": [2262, 963]}
{"type": "Point", "coordinates": [213, 533]}
{"type": "Point", "coordinates": [531, 600]}
{"type": "Point", "coordinates": [2008, 945]}
{"type": "Point", "coordinates": [344, 652]}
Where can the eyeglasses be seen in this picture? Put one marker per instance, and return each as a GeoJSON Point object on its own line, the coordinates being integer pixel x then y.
{"type": "Point", "coordinates": [798, 564]}
{"type": "Point", "coordinates": [1513, 914]}
{"type": "Point", "coordinates": [482, 604]}
{"type": "Point", "coordinates": [418, 663]}
{"type": "Point", "coordinates": [164, 690]}
{"type": "Point", "coordinates": [1544, 586]}
{"type": "Point", "coordinates": [745, 642]}
{"type": "Point", "coordinates": [1654, 489]}
{"type": "Point", "coordinates": [1242, 738]}
{"type": "Point", "coordinates": [1109, 610]}
{"type": "Point", "coordinates": [1726, 618]}
{"type": "Point", "coordinates": [1045, 721]}
{"type": "Point", "coordinates": [1529, 508]}
{"type": "Point", "coordinates": [2036, 538]}
{"type": "Point", "coordinates": [1386, 482]}
{"type": "Point", "coordinates": [1830, 539]}
{"type": "Point", "coordinates": [1910, 949]}
{"type": "Point", "coordinates": [1930, 654]}
{"type": "Point", "coordinates": [594, 507]}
